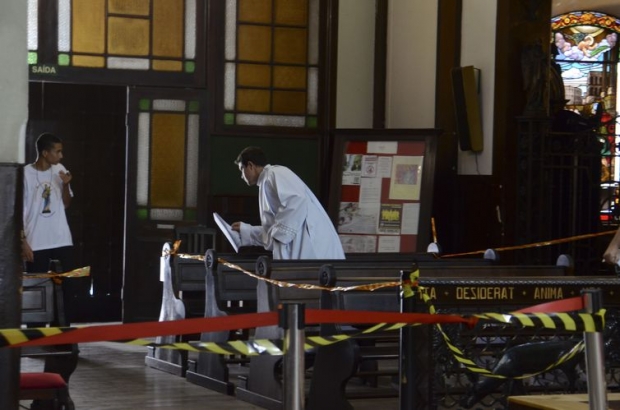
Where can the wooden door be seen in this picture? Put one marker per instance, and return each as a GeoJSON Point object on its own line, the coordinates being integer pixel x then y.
{"type": "Point", "coordinates": [91, 122]}
{"type": "Point", "coordinates": [166, 186]}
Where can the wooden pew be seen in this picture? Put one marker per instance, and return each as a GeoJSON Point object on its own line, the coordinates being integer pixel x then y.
{"type": "Point", "coordinates": [182, 298]}
{"type": "Point", "coordinates": [228, 291]}
{"type": "Point", "coordinates": [263, 385]}
{"type": "Point", "coordinates": [42, 304]}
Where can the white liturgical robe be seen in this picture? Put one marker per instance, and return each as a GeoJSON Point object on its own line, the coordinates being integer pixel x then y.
{"type": "Point", "coordinates": [294, 223]}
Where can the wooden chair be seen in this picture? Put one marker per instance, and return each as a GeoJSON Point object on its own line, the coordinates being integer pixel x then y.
{"type": "Point", "coordinates": [45, 386]}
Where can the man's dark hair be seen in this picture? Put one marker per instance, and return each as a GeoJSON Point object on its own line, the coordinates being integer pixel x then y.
{"type": "Point", "coordinates": [46, 142]}
{"type": "Point", "coordinates": [252, 154]}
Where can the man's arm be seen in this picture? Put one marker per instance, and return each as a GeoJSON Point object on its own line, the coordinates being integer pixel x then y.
{"type": "Point", "coordinates": [66, 177]}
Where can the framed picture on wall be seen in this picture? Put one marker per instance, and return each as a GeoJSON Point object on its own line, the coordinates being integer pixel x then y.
{"type": "Point", "coordinates": [382, 188]}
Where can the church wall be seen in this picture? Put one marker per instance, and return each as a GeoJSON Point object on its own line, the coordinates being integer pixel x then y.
{"type": "Point", "coordinates": [356, 42]}
{"type": "Point", "coordinates": [478, 50]}
{"type": "Point", "coordinates": [411, 64]}
{"type": "Point", "coordinates": [14, 80]}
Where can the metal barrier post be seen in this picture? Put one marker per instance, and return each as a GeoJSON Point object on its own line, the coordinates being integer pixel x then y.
{"type": "Point", "coordinates": [414, 388]}
{"type": "Point", "coordinates": [293, 323]}
{"type": "Point", "coordinates": [595, 354]}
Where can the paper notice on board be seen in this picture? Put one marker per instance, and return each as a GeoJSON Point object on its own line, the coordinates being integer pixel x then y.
{"type": "Point", "coordinates": [355, 217]}
{"type": "Point", "coordinates": [369, 166]}
{"type": "Point", "coordinates": [358, 243]}
{"type": "Point", "coordinates": [352, 169]}
{"type": "Point", "coordinates": [370, 190]}
{"type": "Point", "coordinates": [406, 178]}
{"type": "Point", "coordinates": [382, 147]}
{"type": "Point", "coordinates": [389, 244]}
{"type": "Point", "coordinates": [385, 167]}
{"type": "Point", "coordinates": [390, 218]}
{"type": "Point", "coordinates": [411, 218]}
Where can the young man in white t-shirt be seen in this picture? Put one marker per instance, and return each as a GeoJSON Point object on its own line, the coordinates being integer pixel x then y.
{"type": "Point", "coordinates": [47, 193]}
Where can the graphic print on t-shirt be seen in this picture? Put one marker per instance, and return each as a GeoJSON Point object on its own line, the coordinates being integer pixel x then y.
{"type": "Point", "coordinates": [47, 192]}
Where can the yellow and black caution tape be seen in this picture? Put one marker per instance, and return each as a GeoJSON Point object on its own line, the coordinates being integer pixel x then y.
{"type": "Point", "coordinates": [572, 322]}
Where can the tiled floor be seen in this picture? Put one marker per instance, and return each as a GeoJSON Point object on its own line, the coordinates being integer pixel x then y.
{"type": "Point", "coordinates": [112, 376]}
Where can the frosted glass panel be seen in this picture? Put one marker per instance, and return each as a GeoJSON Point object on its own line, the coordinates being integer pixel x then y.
{"type": "Point", "coordinates": [33, 24]}
{"type": "Point", "coordinates": [191, 173]}
{"type": "Point", "coordinates": [169, 105]}
{"type": "Point", "coordinates": [272, 120]}
{"type": "Point", "coordinates": [229, 87]}
{"type": "Point", "coordinates": [142, 184]}
{"type": "Point", "coordinates": [64, 26]}
{"type": "Point", "coordinates": [313, 87]}
{"type": "Point", "coordinates": [166, 214]}
{"type": "Point", "coordinates": [190, 29]}
{"type": "Point", "coordinates": [128, 63]}
{"type": "Point", "coordinates": [230, 47]}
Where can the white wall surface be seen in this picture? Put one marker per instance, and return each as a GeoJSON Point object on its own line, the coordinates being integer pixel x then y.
{"type": "Point", "coordinates": [478, 49]}
{"type": "Point", "coordinates": [356, 51]}
{"type": "Point", "coordinates": [411, 63]}
{"type": "Point", "coordinates": [14, 80]}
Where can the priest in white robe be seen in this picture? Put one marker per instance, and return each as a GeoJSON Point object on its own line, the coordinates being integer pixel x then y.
{"type": "Point", "coordinates": [294, 224]}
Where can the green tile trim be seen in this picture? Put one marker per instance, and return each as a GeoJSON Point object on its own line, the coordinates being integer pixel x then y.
{"type": "Point", "coordinates": [311, 122]}
{"type": "Point", "coordinates": [33, 57]}
{"type": "Point", "coordinates": [142, 214]}
{"type": "Point", "coordinates": [190, 66]}
{"type": "Point", "coordinates": [229, 118]}
{"type": "Point", "coordinates": [64, 59]}
{"type": "Point", "coordinates": [189, 215]}
{"type": "Point", "coordinates": [194, 106]}
{"type": "Point", "coordinates": [145, 104]}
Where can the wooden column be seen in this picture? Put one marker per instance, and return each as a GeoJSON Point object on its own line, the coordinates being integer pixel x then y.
{"type": "Point", "coordinates": [10, 278]}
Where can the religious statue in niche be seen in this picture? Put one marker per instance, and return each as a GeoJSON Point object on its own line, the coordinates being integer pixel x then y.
{"type": "Point", "coordinates": [535, 69]}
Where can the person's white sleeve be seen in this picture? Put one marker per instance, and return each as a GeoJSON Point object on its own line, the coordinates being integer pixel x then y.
{"type": "Point", "coordinates": [254, 236]}
{"type": "Point", "coordinates": [292, 210]}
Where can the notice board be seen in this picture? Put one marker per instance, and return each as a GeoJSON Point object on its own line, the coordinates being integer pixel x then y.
{"type": "Point", "coordinates": [381, 189]}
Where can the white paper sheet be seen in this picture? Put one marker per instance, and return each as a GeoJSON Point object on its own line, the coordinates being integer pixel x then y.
{"type": "Point", "coordinates": [232, 236]}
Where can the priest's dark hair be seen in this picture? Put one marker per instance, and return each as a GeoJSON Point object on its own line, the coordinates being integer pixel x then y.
{"type": "Point", "coordinates": [252, 154]}
{"type": "Point", "coordinates": [46, 141]}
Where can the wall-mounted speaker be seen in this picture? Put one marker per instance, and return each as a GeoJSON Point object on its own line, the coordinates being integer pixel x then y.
{"type": "Point", "coordinates": [466, 91]}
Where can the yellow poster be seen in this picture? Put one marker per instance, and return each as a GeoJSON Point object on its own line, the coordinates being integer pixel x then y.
{"type": "Point", "coordinates": [406, 177]}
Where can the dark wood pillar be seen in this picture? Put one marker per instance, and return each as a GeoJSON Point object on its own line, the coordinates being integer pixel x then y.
{"type": "Point", "coordinates": [10, 278]}
{"type": "Point", "coordinates": [521, 88]}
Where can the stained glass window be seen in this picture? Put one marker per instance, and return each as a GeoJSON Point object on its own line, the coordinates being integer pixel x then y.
{"type": "Point", "coordinates": [143, 35]}
{"type": "Point", "coordinates": [585, 47]}
{"type": "Point", "coordinates": [271, 51]}
{"type": "Point", "coordinates": [167, 159]}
